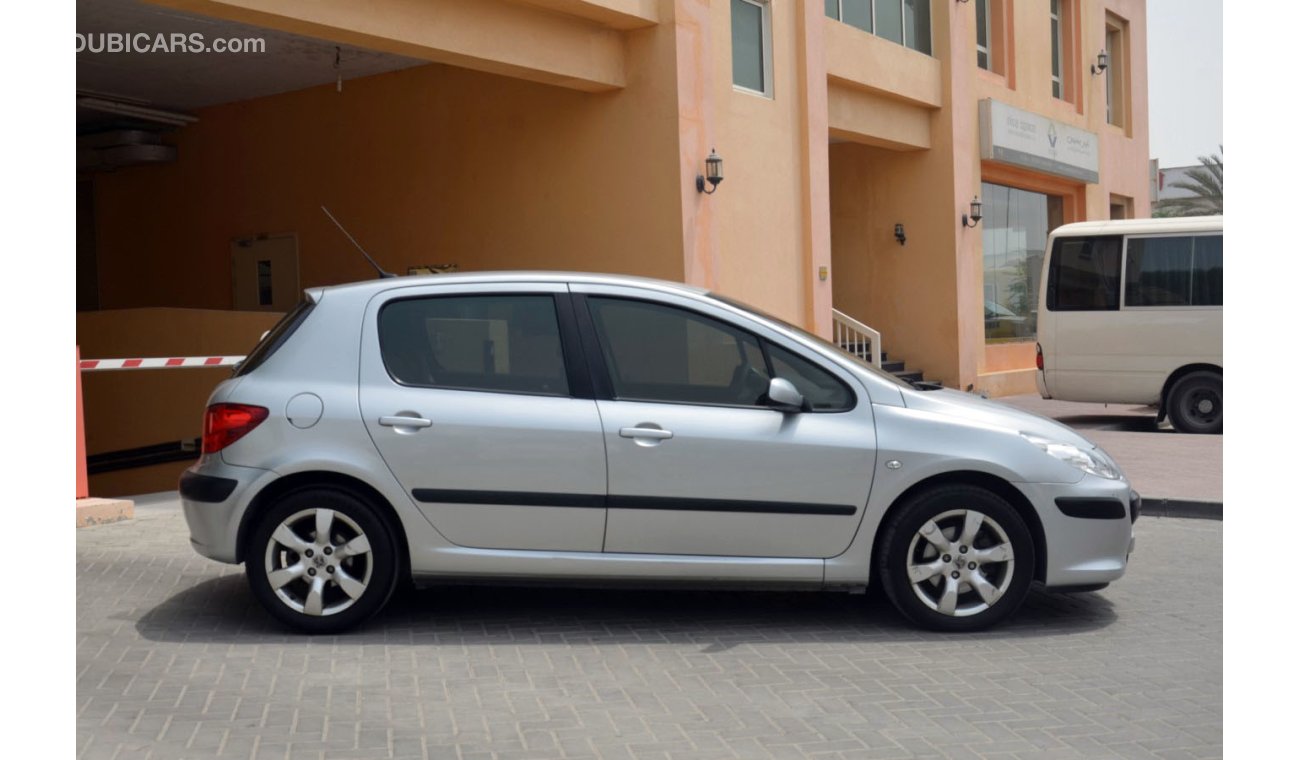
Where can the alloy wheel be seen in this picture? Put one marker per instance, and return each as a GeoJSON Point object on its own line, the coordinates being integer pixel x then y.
{"type": "Point", "coordinates": [318, 562]}
{"type": "Point", "coordinates": [960, 563]}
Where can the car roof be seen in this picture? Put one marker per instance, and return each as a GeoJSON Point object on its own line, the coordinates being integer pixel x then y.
{"type": "Point", "coordinates": [466, 278]}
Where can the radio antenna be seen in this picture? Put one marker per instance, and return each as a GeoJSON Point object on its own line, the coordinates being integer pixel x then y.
{"type": "Point", "coordinates": [379, 269]}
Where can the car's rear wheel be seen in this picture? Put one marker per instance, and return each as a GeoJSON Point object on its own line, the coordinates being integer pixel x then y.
{"type": "Point", "coordinates": [1196, 403]}
{"type": "Point", "coordinates": [322, 560]}
{"type": "Point", "coordinates": [956, 558]}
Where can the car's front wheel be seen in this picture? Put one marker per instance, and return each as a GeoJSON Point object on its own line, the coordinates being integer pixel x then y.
{"type": "Point", "coordinates": [956, 558]}
{"type": "Point", "coordinates": [322, 560]}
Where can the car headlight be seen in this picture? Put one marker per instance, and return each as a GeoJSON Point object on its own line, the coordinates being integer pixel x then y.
{"type": "Point", "coordinates": [1093, 462]}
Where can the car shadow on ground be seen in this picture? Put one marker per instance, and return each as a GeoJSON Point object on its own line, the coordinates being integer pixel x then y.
{"type": "Point", "coordinates": [222, 610]}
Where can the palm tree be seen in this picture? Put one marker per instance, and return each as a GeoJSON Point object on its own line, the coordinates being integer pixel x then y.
{"type": "Point", "coordinates": [1206, 182]}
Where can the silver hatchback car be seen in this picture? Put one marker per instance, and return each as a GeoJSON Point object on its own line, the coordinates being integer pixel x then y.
{"type": "Point", "coordinates": [592, 428]}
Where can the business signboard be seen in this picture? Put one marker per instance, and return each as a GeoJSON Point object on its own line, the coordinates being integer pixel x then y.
{"type": "Point", "coordinates": [1025, 139]}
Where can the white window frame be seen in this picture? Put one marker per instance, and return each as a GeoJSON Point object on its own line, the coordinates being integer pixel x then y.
{"type": "Point", "coordinates": [767, 91]}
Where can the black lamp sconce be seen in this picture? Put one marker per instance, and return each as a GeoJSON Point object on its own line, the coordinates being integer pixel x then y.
{"type": "Point", "coordinates": [713, 173]}
{"type": "Point", "coordinates": [899, 234]}
{"type": "Point", "coordinates": [1103, 60]}
{"type": "Point", "coordinates": [975, 215]}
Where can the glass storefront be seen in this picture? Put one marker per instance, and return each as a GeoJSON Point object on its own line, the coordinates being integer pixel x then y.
{"type": "Point", "coordinates": [1016, 223]}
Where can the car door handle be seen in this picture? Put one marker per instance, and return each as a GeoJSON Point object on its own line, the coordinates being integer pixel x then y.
{"type": "Point", "coordinates": [641, 432]}
{"type": "Point", "coordinates": [407, 422]}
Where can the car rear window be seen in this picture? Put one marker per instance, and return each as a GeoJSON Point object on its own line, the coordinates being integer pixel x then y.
{"type": "Point", "coordinates": [275, 338]}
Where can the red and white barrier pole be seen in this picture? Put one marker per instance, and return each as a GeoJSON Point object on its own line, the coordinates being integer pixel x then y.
{"type": "Point", "coordinates": [160, 362]}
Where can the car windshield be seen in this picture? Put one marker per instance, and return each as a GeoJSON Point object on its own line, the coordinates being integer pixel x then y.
{"type": "Point", "coordinates": [808, 336]}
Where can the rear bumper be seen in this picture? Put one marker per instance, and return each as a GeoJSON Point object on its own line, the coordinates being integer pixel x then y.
{"type": "Point", "coordinates": [214, 496]}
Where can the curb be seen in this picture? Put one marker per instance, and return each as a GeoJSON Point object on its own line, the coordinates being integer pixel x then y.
{"type": "Point", "coordinates": [103, 511]}
{"type": "Point", "coordinates": [1191, 508]}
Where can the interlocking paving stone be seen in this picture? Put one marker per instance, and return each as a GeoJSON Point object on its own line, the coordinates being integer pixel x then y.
{"type": "Point", "coordinates": [176, 660]}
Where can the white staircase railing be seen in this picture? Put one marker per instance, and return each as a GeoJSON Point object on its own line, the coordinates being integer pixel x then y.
{"type": "Point", "coordinates": [856, 338]}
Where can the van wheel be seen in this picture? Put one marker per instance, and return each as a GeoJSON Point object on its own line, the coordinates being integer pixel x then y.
{"type": "Point", "coordinates": [322, 561]}
{"type": "Point", "coordinates": [1196, 403]}
{"type": "Point", "coordinates": [957, 558]}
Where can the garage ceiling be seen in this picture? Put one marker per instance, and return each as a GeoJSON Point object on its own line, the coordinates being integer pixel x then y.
{"type": "Point", "coordinates": [187, 81]}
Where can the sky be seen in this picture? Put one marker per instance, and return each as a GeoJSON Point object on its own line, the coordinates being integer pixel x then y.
{"type": "Point", "coordinates": [1185, 79]}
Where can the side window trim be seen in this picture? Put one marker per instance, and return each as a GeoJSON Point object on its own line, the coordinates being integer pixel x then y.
{"type": "Point", "coordinates": [570, 352]}
{"type": "Point", "coordinates": [603, 386]}
{"type": "Point", "coordinates": [594, 350]}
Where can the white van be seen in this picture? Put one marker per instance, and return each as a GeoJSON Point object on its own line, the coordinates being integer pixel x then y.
{"type": "Point", "coordinates": [1131, 312]}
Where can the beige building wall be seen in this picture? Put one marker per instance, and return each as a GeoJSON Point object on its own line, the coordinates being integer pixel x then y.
{"type": "Point", "coordinates": [566, 134]}
{"type": "Point", "coordinates": [430, 165]}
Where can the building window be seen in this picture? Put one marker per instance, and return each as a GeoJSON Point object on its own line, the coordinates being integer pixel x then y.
{"type": "Point", "coordinates": [1121, 207]}
{"type": "Point", "coordinates": [852, 12]}
{"type": "Point", "coordinates": [983, 35]}
{"type": "Point", "coordinates": [991, 36]}
{"type": "Point", "coordinates": [1117, 71]}
{"type": "Point", "coordinates": [906, 22]}
{"type": "Point", "coordinates": [1058, 50]}
{"type": "Point", "coordinates": [1016, 224]}
{"type": "Point", "coordinates": [751, 45]}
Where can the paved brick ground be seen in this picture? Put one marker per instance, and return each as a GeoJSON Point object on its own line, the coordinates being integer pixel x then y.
{"type": "Point", "coordinates": [175, 660]}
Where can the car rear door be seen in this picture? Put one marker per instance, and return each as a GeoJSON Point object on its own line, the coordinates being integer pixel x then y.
{"type": "Point", "coordinates": [698, 464]}
{"type": "Point", "coordinates": [466, 392]}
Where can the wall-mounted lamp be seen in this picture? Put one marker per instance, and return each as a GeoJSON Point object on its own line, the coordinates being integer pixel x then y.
{"type": "Point", "coordinates": [976, 213]}
{"type": "Point", "coordinates": [713, 173]}
{"type": "Point", "coordinates": [1103, 60]}
{"type": "Point", "coordinates": [899, 235]}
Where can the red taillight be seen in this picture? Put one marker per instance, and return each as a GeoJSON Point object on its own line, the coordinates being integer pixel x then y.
{"type": "Point", "coordinates": [226, 423]}
{"type": "Point", "coordinates": [1039, 358]}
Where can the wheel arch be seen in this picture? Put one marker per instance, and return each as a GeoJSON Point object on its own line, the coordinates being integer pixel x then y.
{"type": "Point", "coordinates": [299, 481]}
{"type": "Point", "coordinates": [987, 481]}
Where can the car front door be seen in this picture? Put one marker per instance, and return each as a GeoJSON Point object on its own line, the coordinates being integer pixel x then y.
{"type": "Point", "coordinates": [698, 463]}
{"type": "Point", "coordinates": [466, 392]}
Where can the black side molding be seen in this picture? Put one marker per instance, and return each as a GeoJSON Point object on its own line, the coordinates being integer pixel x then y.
{"type": "Point", "coordinates": [597, 501]}
{"type": "Point", "coordinates": [1091, 509]}
{"type": "Point", "coordinates": [207, 488]}
{"type": "Point", "coordinates": [512, 498]}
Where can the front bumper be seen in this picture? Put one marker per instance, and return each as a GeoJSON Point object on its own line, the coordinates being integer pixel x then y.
{"type": "Point", "coordinates": [1088, 528]}
{"type": "Point", "coordinates": [214, 496]}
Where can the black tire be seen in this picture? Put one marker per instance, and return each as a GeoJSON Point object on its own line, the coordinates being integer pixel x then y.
{"type": "Point", "coordinates": [375, 568]}
{"type": "Point", "coordinates": [1196, 403]}
{"type": "Point", "coordinates": [902, 546]}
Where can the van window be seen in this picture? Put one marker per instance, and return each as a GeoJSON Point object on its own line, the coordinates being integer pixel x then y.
{"type": "Point", "coordinates": [1174, 271]}
{"type": "Point", "coordinates": [1207, 271]}
{"type": "Point", "coordinates": [1084, 274]}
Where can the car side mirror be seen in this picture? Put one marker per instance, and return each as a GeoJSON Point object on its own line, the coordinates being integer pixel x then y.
{"type": "Point", "coordinates": [782, 396]}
